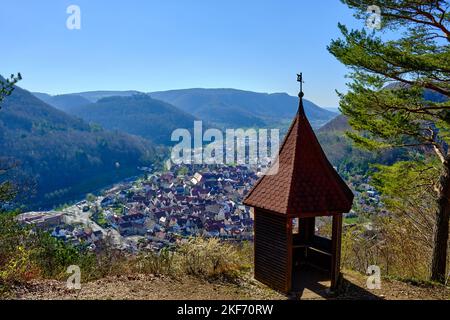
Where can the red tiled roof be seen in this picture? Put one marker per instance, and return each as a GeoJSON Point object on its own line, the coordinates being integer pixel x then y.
{"type": "Point", "coordinates": [306, 182]}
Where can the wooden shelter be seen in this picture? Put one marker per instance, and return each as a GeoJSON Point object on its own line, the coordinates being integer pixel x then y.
{"type": "Point", "coordinates": [286, 205]}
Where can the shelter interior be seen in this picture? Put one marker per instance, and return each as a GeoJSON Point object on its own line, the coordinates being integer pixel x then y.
{"type": "Point", "coordinates": [314, 257]}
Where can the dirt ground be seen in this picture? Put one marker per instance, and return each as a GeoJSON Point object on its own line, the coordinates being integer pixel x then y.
{"type": "Point", "coordinates": [149, 287]}
{"type": "Point", "coordinates": [145, 287]}
{"type": "Point", "coordinates": [354, 287]}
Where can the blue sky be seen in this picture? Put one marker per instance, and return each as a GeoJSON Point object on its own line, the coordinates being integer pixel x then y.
{"type": "Point", "coordinates": [151, 45]}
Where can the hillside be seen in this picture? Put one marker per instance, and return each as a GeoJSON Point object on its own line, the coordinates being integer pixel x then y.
{"type": "Point", "coordinates": [345, 156]}
{"type": "Point", "coordinates": [227, 107]}
{"type": "Point", "coordinates": [64, 102]}
{"type": "Point", "coordinates": [339, 124]}
{"type": "Point", "coordinates": [340, 150]}
{"type": "Point", "coordinates": [42, 96]}
{"type": "Point", "coordinates": [61, 158]}
{"type": "Point", "coordinates": [138, 115]}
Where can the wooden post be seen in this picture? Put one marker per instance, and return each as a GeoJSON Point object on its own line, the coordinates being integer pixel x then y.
{"type": "Point", "coordinates": [336, 252]}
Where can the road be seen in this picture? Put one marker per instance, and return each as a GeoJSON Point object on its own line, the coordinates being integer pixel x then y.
{"type": "Point", "coordinates": [75, 215]}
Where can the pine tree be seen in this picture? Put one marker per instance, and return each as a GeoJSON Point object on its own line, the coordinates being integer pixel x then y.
{"type": "Point", "coordinates": [392, 78]}
{"type": "Point", "coordinates": [7, 86]}
{"type": "Point", "coordinates": [6, 187]}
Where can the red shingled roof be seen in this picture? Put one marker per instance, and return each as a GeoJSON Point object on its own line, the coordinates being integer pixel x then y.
{"type": "Point", "coordinates": [306, 182]}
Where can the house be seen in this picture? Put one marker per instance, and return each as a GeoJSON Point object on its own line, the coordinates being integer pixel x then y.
{"type": "Point", "coordinates": [107, 201]}
{"type": "Point", "coordinates": [138, 217]}
{"type": "Point", "coordinates": [197, 178]}
{"type": "Point", "coordinates": [42, 220]}
{"type": "Point", "coordinates": [132, 228]}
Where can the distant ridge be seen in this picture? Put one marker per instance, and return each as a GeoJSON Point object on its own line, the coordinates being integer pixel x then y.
{"type": "Point", "coordinates": [64, 102]}
{"type": "Point", "coordinates": [94, 96]}
{"type": "Point", "coordinates": [88, 96]}
{"type": "Point", "coordinates": [225, 108]}
{"type": "Point", "coordinates": [229, 106]}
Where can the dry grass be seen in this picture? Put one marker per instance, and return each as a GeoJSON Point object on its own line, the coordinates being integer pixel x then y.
{"type": "Point", "coordinates": [203, 258]}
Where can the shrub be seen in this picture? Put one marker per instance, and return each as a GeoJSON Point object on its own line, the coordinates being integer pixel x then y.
{"type": "Point", "coordinates": [211, 259]}
{"type": "Point", "coordinates": [109, 260]}
{"type": "Point", "coordinates": [27, 254]}
{"type": "Point", "coordinates": [208, 259]}
{"type": "Point", "coordinates": [18, 267]}
{"type": "Point", "coordinates": [158, 263]}
{"type": "Point", "coordinates": [15, 250]}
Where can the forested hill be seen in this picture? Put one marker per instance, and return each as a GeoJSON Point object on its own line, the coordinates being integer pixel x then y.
{"type": "Point", "coordinates": [339, 124]}
{"type": "Point", "coordinates": [139, 115]}
{"type": "Point", "coordinates": [60, 157]}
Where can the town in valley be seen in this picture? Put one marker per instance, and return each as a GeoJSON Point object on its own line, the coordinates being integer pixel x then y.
{"type": "Point", "coordinates": [162, 209]}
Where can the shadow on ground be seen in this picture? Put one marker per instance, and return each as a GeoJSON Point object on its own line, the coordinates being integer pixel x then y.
{"type": "Point", "coordinates": [312, 284]}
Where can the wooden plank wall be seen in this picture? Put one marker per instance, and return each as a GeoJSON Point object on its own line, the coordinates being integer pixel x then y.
{"type": "Point", "coordinates": [272, 253]}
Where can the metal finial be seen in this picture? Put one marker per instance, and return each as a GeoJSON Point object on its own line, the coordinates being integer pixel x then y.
{"type": "Point", "coordinates": [300, 111]}
{"type": "Point", "coordinates": [300, 79]}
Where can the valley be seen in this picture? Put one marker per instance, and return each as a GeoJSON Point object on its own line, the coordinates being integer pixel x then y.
{"type": "Point", "coordinates": [66, 146]}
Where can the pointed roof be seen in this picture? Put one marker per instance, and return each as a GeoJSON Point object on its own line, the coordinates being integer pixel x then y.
{"type": "Point", "coordinates": [306, 182]}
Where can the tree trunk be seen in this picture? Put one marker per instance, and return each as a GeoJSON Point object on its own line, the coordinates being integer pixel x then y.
{"type": "Point", "coordinates": [441, 228]}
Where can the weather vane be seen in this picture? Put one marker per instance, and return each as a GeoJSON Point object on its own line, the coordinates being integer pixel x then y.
{"type": "Point", "coordinates": [300, 79]}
